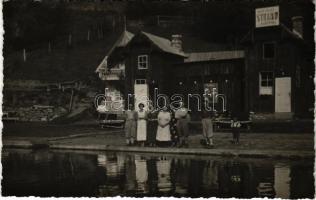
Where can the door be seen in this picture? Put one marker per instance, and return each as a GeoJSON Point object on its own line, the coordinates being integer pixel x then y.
{"type": "Point", "coordinates": [283, 94]}
{"type": "Point", "coordinates": [141, 93]}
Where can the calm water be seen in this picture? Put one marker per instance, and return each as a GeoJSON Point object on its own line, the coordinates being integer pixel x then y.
{"type": "Point", "coordinates": [60, 173]}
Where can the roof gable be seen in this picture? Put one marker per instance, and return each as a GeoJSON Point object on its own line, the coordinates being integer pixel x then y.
{"type": "Point", "coordinates": [163, 44]}
{"type": "Point", "coordinates": [122, 41]}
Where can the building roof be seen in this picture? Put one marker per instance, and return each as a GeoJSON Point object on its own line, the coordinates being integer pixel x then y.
{"type": "Point", "coordinates": [214, 55]}
{"type": "Point", "coordinates": [198, 50]}
{"type": "Point", "coordinates": [294, 34]}
{"type": "Point", "coordinates": [164, 44]}
{"type": "Point", "coordinates": [284, 31]}
{"type": "Point", "coordinates": [122, 41]}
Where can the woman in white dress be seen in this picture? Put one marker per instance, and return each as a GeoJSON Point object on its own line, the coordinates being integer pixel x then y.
{"type": "Point", "coordinates": [141, 125]}
{"type": "Point", "coordinates": [163, 136]}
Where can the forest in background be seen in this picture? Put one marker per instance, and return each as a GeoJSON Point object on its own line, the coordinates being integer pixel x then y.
{"type": "Point", "coordinates": [58, 41]}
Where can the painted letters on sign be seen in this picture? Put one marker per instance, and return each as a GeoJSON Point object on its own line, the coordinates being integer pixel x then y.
{"type": "Point", "coordinates": [269, 16]}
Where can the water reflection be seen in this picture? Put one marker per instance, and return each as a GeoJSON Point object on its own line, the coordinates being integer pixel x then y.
{"type": "Point", "coordinates": [282, 180]}
{"type": "Point", "coordinates": [44, 173]}
{"type": "Point", "coordinates": [141, 174]}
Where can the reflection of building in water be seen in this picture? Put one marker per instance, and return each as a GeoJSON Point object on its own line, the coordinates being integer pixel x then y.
{"type": "Point", "coordinates": [40, 157]}
{"type": "Point", "coordinates": [111, 166]}
{"type": "Point", "coordinates": [163, 171]}
{"type": "Point", "coordinates": [265, 189]}
{"type": "Point", "coordinates": [282, 181]}
{"type": "Point", "coordinates": [102, 160]}
{"type": "Point", "coordinates": [109, 163]}
{"type": "Point", "coordinates": [302, 180]}
{"type": "Point", "coordinates": [141, 174]}
{"type": "Point", "coordinates": [265, 178]}
{"type": "Point", "coordinates": [114, 166]}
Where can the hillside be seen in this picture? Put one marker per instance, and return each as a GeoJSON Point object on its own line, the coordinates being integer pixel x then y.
{"type": "Point", "coordinates": [60, 64]}
{"type": "Point", "coordinates": [67, 41]}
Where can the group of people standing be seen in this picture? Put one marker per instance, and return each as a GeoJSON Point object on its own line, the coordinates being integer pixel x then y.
{"type": "Point", "coordinates": [169, 127]}
{"type": "Point", "coordinates": [166, 127]}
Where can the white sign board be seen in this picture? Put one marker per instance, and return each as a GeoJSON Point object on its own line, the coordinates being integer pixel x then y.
{"type": "Point", "coordinates": [269, 16]}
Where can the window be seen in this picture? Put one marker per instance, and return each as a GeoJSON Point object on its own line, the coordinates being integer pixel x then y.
{"type": "Point", "coordinates": [140, 81]}
{"type": "Point", "coordinates": [142, 62]}
{"type": "Point", "coordinates": [268, 50]}
{"type": "Point", "coordinates": [266, 83]}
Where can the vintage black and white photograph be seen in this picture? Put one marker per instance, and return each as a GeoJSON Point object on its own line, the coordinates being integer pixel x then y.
{"type": "Point", "coordinates": [158, 98]}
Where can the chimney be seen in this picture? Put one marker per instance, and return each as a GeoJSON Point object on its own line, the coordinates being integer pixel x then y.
{"type": "Point", "coordinates": [297, 25]}
{"type": "Point", "coordinates": [176, 41]}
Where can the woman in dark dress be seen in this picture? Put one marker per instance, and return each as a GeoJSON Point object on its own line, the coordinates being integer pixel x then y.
{"type": "Point", "coordinates": [173, 129]}
{"type": "Point", "coordinates": [152, 128]}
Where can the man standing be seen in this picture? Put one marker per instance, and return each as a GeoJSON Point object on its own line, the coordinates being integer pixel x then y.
{"type": "Point", "coordinates": [207, 125]}
{"type": "Point", "coordinates": [183, 118]}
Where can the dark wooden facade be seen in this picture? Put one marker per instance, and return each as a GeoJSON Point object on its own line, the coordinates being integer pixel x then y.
{"type": "Point", "coordinates": [227, 74]}
{"type": "Point", "coordinates": [237, 78]}
{"type": "Point", "coordinates": [159, 64]}
{"type": "Point", "coordinates": [289, 61]}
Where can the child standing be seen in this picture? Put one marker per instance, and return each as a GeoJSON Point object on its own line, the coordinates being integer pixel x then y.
{"type": "Point", "coordinates": [235, 125]}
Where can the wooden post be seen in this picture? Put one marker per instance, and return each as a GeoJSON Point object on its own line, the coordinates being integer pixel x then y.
{"type": "Point", "coordinates": [88, 36]}
{"type": "Point", "coordinates": [49, 47]}
{"type": "Point", "coordinates": [125, 22]}
{"type": "Point", "coordinates": [69, 39]}
{"type": "Point", "coordinates": [101, 31]}
{"type": "Point", "coordinates": [113, 24]}
{"type": "Point", "coordinates": [24, 55]}
{"type": "Point", "coordinates": [71, 100]}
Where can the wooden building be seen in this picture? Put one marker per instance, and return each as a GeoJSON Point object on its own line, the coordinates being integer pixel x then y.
{"type": "Point", "coordinates": [278, 70]}
{"type": "Point", "coordinates": [269, 74]}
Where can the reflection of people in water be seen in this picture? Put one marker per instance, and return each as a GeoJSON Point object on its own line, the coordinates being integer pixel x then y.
{"type": "Point", "coordinates": [233, 181]}
{"type": "Point", "coordinates": [141, 174]}
{"type": "Point", "coordinates": [181, 176]}
{"type": "Point", "coordinates": [130, 175]}
{"type": "Point", "coordinates": [120, 162]}
{"type": "Point", "coordinates": [210, 175]}
{"type": "Point", "coordinates": [152, 177]}
{"type": "Point", "coordinates": [163, 172]}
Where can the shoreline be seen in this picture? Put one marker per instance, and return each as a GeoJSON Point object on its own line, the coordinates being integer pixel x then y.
{"type": "Point", "coordinates": [280, 154]}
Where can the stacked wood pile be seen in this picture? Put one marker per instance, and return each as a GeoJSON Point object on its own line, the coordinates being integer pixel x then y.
{"type": "Point", "coordinates": [39, 113]}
